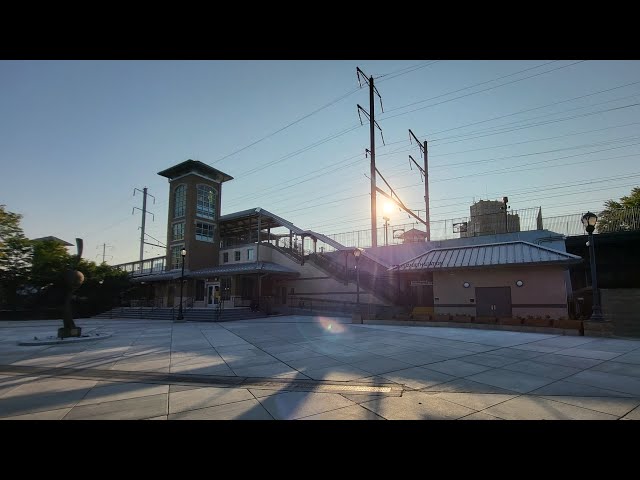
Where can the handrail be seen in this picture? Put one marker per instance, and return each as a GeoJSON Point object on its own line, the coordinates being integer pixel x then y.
{"type": "Point", "coordinates": [292, 254]}
{"type": "Point", "coordinates": [219, 310]}
{"type": "Point", "coordinates": [185, 300]}
{"type": "Point", "coordinates": [377, 285]}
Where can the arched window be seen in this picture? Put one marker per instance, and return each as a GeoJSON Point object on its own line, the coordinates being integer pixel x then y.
{"type": "Point", "coordinates": [180, 201]}
{"type": "Point", "coordinates": [206, 202]}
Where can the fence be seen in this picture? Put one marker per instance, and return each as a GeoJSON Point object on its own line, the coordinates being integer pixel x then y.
{"type": "Point", "coordinates": [523, 220]}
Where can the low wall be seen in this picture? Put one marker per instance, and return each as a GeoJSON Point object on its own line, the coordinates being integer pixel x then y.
{"type": "Point", "coordinates": [621, 306]}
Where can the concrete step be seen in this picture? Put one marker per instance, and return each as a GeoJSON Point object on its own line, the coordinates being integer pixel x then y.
{"type": "Point", "coordinates": [189, 314]}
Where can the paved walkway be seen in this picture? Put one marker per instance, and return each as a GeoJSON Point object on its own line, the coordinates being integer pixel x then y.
{"type": "Point", "coordinates": [314, 368]}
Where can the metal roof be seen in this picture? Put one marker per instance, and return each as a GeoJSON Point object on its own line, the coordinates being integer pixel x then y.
{"type": "Point", "coordinates": [243, 268]}
{"type": "Point", "coordinates": [194, 166]}
{"type": "Point", "coordinates": [244, 218]}
{"type": "Point", "coordinates": [237, 222]}
{"type": "Point", "coordinates": [488, 255]}
{"type": "Point", "coordinates": [159, 277]}
{"type": "Point", "coordinates": [413, 233]}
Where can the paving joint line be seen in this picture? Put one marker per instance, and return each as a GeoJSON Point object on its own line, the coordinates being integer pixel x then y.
{"type": "Point", "coordinates": [266, 383]}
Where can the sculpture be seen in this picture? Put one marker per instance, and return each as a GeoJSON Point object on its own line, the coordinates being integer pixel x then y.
{"type": "Point", "coordinates": [73, 279]}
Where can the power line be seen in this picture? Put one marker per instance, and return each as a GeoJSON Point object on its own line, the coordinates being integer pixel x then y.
{"type": "Point", "coordinates": [355, 127]}
{"type": "Point", "coordinates": [349, 129]}
{"type": "Point", "coordinates": [280, 188]}
{"type": "Point", "coordinates": [536, 108]}
{"type": "Point", "coordinates": [479, 91]}
{"type": "Point", "coordinates": [495, 172]}
{"type": "Point", "coordinates": [470, 86]}
{"type": "Point", "coordinates": [528, 199]}
{"type": "Point", "coordinates": [333, 102]}
{"type": "Point", "coordinates": [537, 189]}
{"type": "Point", "coordinates": [382, 78]}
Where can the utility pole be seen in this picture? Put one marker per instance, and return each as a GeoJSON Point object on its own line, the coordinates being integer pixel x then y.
{"type": "Point", "coordinates": [372, 123]}
{"type": "Point", "coordinates": [374, 225]}
{"type": "Point", "coordinates": [144, 216]}
{"type": "Point", "coordinates": [104, 251]}
{"type": "Point", "coordinates": [424, 172]}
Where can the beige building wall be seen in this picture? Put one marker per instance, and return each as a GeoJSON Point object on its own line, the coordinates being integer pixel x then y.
{"type": "Point", "coordinates": [316, 284]}
{"type": "Point", "coordinates": [265, 254]}
{"type": "Point", "coordinates": [543, 292]}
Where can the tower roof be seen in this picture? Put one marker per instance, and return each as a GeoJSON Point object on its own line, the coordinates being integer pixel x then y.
{"type": "Point", "coordinates": [195, 166]}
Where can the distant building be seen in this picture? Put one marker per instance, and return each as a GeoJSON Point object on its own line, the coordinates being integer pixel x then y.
{"type": "Point", "coordinates": [413, 236]}
{"type": "Point", "coordinates": [488, 217]}
{"type": "Point", "coordinates": [52, 239]}
{"type": "Point", "coordinates": [254, 256]}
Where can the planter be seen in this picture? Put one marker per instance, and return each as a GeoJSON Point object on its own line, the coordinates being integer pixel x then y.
{"type": "Point", "coordinates": [486, 320]}
{"type": "Point", "coordinates": [537, 322]}
{"type": "Point", "coordinates": [510, 321]}
{"type": "Point", "coordinates": [568, 324]}
{"type": "Point", "coordinates": [461, 318]}
{"type": "Point", "coordinates": [441, 318]}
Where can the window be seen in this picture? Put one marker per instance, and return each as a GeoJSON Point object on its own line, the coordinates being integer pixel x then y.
{"type": "Point", "coordinates": [236, 255]}
{"type": "Point", "coordinates": [176, 256]}
{"type": "Point", "coordinates": [206, 202]}
{"type": "Point", "coordinates": [180, 201]}
{"type": "Point", "coordinates": [225, 257]}
{"type": "Point", "coordinates": [178, 231]}
{"type": "Point", "coordinates": [204, 232]}
{"type": "Point", "coordinates": [250, 254]}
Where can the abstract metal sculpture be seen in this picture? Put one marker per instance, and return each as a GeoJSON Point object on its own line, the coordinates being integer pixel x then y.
{"type": "Point", "coordinates": [73, 279]}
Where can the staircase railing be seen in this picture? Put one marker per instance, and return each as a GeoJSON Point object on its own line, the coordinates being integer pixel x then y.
{"type": "Point", "coordinates": [291, 253]}
{"type": "Point", "coordinates": [187, 304]}
{"type": "Point", "coordinates": [379, 285]}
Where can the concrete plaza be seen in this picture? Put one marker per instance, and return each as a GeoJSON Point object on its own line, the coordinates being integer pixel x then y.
{"type": "Point", "coordinates": [314, 368]}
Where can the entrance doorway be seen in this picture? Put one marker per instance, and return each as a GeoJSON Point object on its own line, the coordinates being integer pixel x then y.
{"type": "Point", "coordinates": [213, 294]}
{"type": "Point", "coordinates": [493, 301]}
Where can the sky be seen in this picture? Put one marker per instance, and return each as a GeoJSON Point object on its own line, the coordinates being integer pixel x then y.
{"type": "Point", "coordinates": [77, 137]}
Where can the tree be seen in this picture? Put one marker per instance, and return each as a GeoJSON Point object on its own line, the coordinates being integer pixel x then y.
{"type": "Point", "coordinates": [50, 261]}
{"type": "Point", "coordinates": [102, 283]}
{"type": "Point", "coordinates": [621, 216]}
{"type": "Point", "coordinates": [15, 256]}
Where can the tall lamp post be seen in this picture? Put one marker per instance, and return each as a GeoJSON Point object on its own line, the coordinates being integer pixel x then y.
{"type": "Point", "coordinates": [357, 252]}
{"type": "Point", "coordinates": [589, 221]}
{"type": "Point", "coordinates": [180, 317]}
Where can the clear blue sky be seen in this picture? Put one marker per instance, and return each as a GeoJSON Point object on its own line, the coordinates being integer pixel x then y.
{"type": "Point", "coordinates": [76, 137]}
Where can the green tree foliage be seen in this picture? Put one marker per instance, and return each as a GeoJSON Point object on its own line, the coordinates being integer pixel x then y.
{"type": "Point", "coordinates": [621, 216]}
{"type": "Point", "coordinates": [15, 255]}
{"type": "Point", "coordinates": [50, 260]}
{"type": "Point", "coordinates": [32, 273]}
{"type": "Point", "coordinates": [102, 283]}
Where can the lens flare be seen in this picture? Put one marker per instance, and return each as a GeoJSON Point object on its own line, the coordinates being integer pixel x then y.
{"type": "Point", "coordinates": [329, 325]}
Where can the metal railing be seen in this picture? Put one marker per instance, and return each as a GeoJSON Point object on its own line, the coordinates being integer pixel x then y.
{"type": "Point", "coordinates": [144, 267]}
{"type": "Point", "coordinates": [524, 220]}
{"type": "Point", "coordinates": [187, 304]}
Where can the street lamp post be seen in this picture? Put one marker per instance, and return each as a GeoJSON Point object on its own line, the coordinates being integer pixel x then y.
{"type": "Point", "coordinates": [357, 252]}
{"type": "Point", "coordinates": [505, 200]}
{"type": "Point", "coordinates": [180, 317]}
{"type": "Point", "coordinates": [589, 221]}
